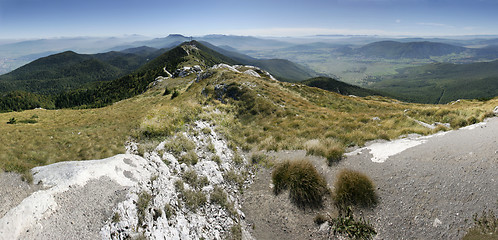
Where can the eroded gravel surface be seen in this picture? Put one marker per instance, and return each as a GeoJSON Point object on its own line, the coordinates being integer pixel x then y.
{"type": "Point", "coordinates": [13, 191]}
{"type": "Point", "coordinates": [429, 191]}
{"type": "Point", "coordinates": [81, 212]}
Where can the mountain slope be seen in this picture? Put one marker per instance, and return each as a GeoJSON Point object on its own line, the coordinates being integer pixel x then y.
{"type": "Point", "coordinates": [396, 50]}
{"type": "Point", "coordinates": [138, 81]}
{"type": "Point", "coordinates": [443, 82]}
{"type": "Point", "coordinates": [282, 69]}
{"type": "Point", "coordinates": [69, 70]}
{"type": "Point", "coordinates": [343, 88]}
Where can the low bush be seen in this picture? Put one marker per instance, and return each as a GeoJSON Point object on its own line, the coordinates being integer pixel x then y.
{"type": "Point", "coordinates": [306, 186]}
{"type": "Point", "coordinates": [354, 188]}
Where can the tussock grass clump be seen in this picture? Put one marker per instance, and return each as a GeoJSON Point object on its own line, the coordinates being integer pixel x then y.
{"type": "Point", "coordinates": [236, 232]}
{"type": "Point", "coordinates": [329, 148]}
{"type": "Point", "coordinates": [191, 177]}
{"type": "Point", "coordinates": [194, 199]}
{"type": "Point", "coordinates": [354, 188]}
{"type": "Point", "coordinates": [143, 201]}
{"type": "Point", "coordinates": [178, 145]}
{"type": "Point", "coordinates": [190, 158]}
{"type": "Point", "coordinates": [306, 186]}
{"type": "Point", "coordinates": [220, 197]}
{"type": "Point", "coordinates": [485, 227]}
{"type": "Point", "coordinates": [346, 225]}
{"type": "Point", "coordinates": [169, 211]}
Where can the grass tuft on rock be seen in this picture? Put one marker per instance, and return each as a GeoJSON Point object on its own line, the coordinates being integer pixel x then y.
{"type": "Point", "coordinates": [307, 187]}
{"type": "Point", "coordinates": [354, 188]}
{"type": "Point", "coordinates": [485, 227]}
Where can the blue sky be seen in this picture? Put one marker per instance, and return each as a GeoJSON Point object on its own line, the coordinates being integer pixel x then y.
{"type": "Point", "coordinates": [155, 18]}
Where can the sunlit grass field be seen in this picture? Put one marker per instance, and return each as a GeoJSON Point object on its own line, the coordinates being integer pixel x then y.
{"type": "Point", "coordinates": [265, 114]}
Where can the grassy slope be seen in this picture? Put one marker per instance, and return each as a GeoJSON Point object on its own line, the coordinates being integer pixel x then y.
{"type": "Point", "coordinates": [258, 113]}
{"type": "Point", "coordinates": [443, 82]}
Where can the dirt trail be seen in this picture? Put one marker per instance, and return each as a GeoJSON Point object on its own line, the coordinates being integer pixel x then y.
{"type": "Point", "coordinates": [428, 191]}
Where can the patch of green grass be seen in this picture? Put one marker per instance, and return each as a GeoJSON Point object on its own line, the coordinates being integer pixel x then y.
{"type": "Point", "coordinates": [354, 188]}
{"type": "Point", "coordinates": [307, 187]}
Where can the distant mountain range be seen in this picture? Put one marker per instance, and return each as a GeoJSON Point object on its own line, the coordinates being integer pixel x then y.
{"type": "Point", "coordinates": [69, 70]}
{"type": "Point", "coordinates": [396, 50]}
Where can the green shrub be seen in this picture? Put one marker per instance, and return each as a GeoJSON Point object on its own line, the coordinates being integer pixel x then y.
{"type": "Point", "coordinates": [12, 121]}
{"type": "Point", "coordinates": [216, 159]}
{"type": "Point", "coordinates": [306, 186]}
{"type": "Point", "coordinates": [345, 224]}
{"type": "Point", "coordinates": [354, 188]}
{"type": "Point", "coordinates": [175, 94]}
{"type": "Point", "coordinates": [234, 178]}
{"type": "Point", "coordinates": [166, 92]}
{"type": "Point", "coordinates": [485, 227]}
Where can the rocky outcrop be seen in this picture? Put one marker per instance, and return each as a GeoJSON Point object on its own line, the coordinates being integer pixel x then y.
{"type": "Point", "coordinates": [169, 211]}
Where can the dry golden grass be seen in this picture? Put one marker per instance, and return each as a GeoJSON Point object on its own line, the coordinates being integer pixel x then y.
{"type": "Point", "coordinates": [267, 115]}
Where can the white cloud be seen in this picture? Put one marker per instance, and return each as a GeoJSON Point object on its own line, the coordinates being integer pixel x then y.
{"type": "Point", "coordinates": [398, 21]}
{"type": "Point", "coordinates": [296, 32]}
{"type": "Point", "coordinates": [435, 24]}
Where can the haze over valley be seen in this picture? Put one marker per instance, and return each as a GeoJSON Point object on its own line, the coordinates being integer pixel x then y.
{"type": "Point", "coordinates": [364, 119]}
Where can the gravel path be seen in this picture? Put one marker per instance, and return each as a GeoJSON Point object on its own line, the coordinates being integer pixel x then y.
{"type": "Point", "coordinates": [13, 191]}
{"type": "Point", "coordinates": [428, 191]}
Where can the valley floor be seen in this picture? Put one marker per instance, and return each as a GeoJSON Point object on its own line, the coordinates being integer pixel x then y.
{"type": "Point", "coordinates": [428, 191]}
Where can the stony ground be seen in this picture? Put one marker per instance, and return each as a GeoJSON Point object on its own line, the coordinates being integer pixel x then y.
{"type": "Point", "coordinates": [428, 191]}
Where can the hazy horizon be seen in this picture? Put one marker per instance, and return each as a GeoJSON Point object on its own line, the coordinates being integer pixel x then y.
{"type": "Point", "coordinates": [35, 19]}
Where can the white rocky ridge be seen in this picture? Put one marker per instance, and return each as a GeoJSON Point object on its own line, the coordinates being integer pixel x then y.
{"type": "Point", "coordinates": [208, 221]}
